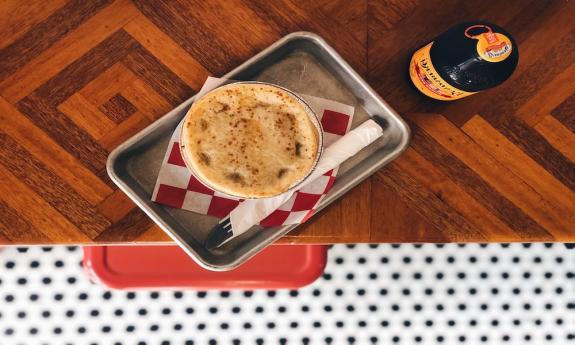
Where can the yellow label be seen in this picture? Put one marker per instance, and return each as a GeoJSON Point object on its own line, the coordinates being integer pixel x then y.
{"type": "Point", "coordinates": [427, 80]}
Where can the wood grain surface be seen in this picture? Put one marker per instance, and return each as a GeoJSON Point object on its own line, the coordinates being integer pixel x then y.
{"type": "Point", "coordinates": [77, 78]}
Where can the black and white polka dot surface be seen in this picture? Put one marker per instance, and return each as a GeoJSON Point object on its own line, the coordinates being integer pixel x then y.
{"type": "Point", "coordinates": [386, 294]}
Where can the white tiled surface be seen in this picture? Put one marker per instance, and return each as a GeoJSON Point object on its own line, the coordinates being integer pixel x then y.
{"type": "Point", "coordinates": [369, 295]}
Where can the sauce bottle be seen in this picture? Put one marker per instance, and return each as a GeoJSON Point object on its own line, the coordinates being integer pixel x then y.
{"type": "Point", "coordinates": [468, 58]}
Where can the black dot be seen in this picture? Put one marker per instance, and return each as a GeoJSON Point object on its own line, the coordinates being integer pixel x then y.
{"type": "Point", "coordinates": [429, 323]}
{"type": "Point", "coordinates": [271, 293]}
{"type": "Point", "coordinates": [350, 308]}
{"type": "Point", "coordinates": [494, 291]}
{"type": "Point", "coordinates": [548, 306]}
{"type": "Point", "coordinates": [484, 338]}
{"type": "Point", "coordinates": [537, 291]}
{"type": "Point", "coordinates": [406, 292]}
{"type": "Point", "coordinates": [559, 290]}
{"type": "Point", "coordinates": [202, 326]}
{"type": "Point", "coordinates": [83, 296]}
{"type": "Point", "coordinates": [142, 311]}
{"type": "Point", "coordinates": [407, 323]}
{"type": "Point", "coordinates": [10, 265]}
{"type": "Point", "coordinates": [473, 323]}
{"type": "Point", "coordinates": [34, 297]}
{"type": "Point", "coordinates": [8, 331]}
{"type": "Point", "coordinates": [59, 263]}
{"type": "Point", "coordinates": [505, 275]}
{"type": "Point", "coordinates": [406, 260]}
{"type": "Point", "coordinates": [472, 259]}
{"type": "Point", "coordinates": [361, 260]}
{"type": "Point", "coordinates": [71, 280]}
{"type": "Point", "coordinates": [417, 276]}
{"type": "Point", "coordinates": [395, 339]}
{"type": "Point", "coordinates": [130, 295]}
{"type": "Point", "coordinates": [235, 310]}
{"type": "Point", "coordinates": [70, 313]}
{"type": "Point", "coordinates": [82, 330]}
{"type": "Point", "coordinates": [373, 308]}
{"type": "Point", "coordinates": [247, 325]}
{"type": "Point", "coordinates": [516, 322]}
{"type": "Point", "coordinates": [417, 307]}
{"type": "Point", "coordinates": [516, 291]}
{"type": "Point", "coordinates": [451, 291]}
{"type": "Point", "coordinates": [339, 324]}
{"type": "Point", "coordinates": [316, 292]}
{"type": "Point", "coordinates": [440, 339]}
{"type": "Point", "coordinates": [451, 323]}
{"type": "Point", "coordinates": [538, 322]}
{"type": "Point", "coordinates": [428, 291]}
{"type": "Point", "coordinates": [165, 342]}
{"type": "Point", "coordinates": [462, 339]}
{"type": "Point", "coordinates": [428, 259]}
{"type": "Point", "coordinates": [94, 313]}
{"type": "Point", "coordinates": [178, 295]}
{"type": "Point", "coordinates": [339, 260]}
{"type": "Point", "coordinates": [130, 328]}
{"type": "Point", "coordinates": [22, 249]}
{"type": "Point", "coordinates": [281, 309]}
{"type": "Point", "coordinates": [483, 275]}
{"type": "Point", "coordinates": [166, 311]}
{"type": "Point", "coordinates": [439, 307]}
{"type": "Point", "coordinates": [526, 306]}
{"type": "Point", "coordinates": [418, 339]}
{"type": "Point", "coordinates": [395, 307]}
{"type": "Point", "coordinates": [46, 281]}
{"type": "Point", "coordinates": [46, 314]}
{"type": "Point", "coordinates": [316, 324]}
{"type": "Point", "coordinates": [33, 330]}
{"type": "Point", "coordinates": [349, 276]}
{"type": "Point", "coordinates": [21, 314]}
{"type": "Point", "coordinates": [106, 329]}
{"type": "Point", "coordinates": [258, 310]}
{"type": "Point", "coordinates": [450, 259]}
{"type": "Point", "coordinates": [384, 323]}
{"type": "Point", "coordinates": [526, 275]}
{"type": "Point", "coordinates": [395, 276]}
{"type": "Point", "coordinates": [293, 293]}
{"type": "Point", "coordinates": [189, 342]}
{"type": "Point", "coordinates": [338, 292]}
{"type": "Point", "coordinates": [484, 306]}
{"type": "Point", "coordinates": [325, 276]}
{"type": "Point", "coordinates": [559, 321]}
{"type": "Point", "coordinates": [305, 308]}
{"type": "Point", "coordinates": [472, 291]}
{"type": "Point", "coordinates": [494, 323]}
{"type": "Point", "coordinates": [494, 259]}
{"type": "Point", "coordinates": [384, 260]}
{"type": "Point", "coordinates": [293, 324]}
{"type": "Point", "coordinates": [203, 294]}
{"type": "Point", "coordinates": [34, 264]}
{"type": "Point", "coordinates": [22, 281]}
{"type": "Point", "coordinates": [439, 275]}
{"type": "Point", "coordinates": [178, 327]}
{"type": "Point", "coordinates": [505, 306]}
{"type": "Point", "coordinates": [190, 310]}
{"type": "Point", "coordinates": [549, 337]}
{"type": "Point", "coordinates": [361, 292]}
{"type": "Point", "coordinates": [154, 295]}
{"type": "Point", "coordinates": [154, 328]}
{"type": "Point", "coordinates": [224, 325]}
{"type": "Point", "coordinates": [118, 312]}
{"type": "Point", "coordinates": [214, 342]}
{"type": "Point", "coordinates": [527, 337]}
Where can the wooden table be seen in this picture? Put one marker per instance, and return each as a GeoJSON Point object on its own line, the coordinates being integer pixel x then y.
{"type": "Point", "coordinates": [77, 78]}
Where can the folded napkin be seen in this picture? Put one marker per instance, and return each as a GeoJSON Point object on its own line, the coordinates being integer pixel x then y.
{"type": "Point", "coordinates": [177, 187]}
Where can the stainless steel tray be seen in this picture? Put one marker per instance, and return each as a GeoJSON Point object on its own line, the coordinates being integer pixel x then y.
{"type": "Point", "coordinates": [302, 62]}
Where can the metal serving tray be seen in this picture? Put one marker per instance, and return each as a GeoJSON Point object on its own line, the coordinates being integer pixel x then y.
{"type": "Point", "coordinates": [302, 62]}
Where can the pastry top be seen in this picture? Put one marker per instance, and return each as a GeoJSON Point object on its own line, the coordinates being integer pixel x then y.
{"type": "Point", "coordinates": [250, 140]}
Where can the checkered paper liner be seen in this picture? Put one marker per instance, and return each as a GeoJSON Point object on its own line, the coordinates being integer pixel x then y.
{"type": "Point", "coordinates": [177, 187]}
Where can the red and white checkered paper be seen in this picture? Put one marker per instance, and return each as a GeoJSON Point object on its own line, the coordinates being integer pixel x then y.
{"type": "Point", "coordinates": [177, 187]}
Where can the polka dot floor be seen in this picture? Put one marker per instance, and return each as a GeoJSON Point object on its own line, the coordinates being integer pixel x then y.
{"type": "Point", "coordinates": [385, 294]}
